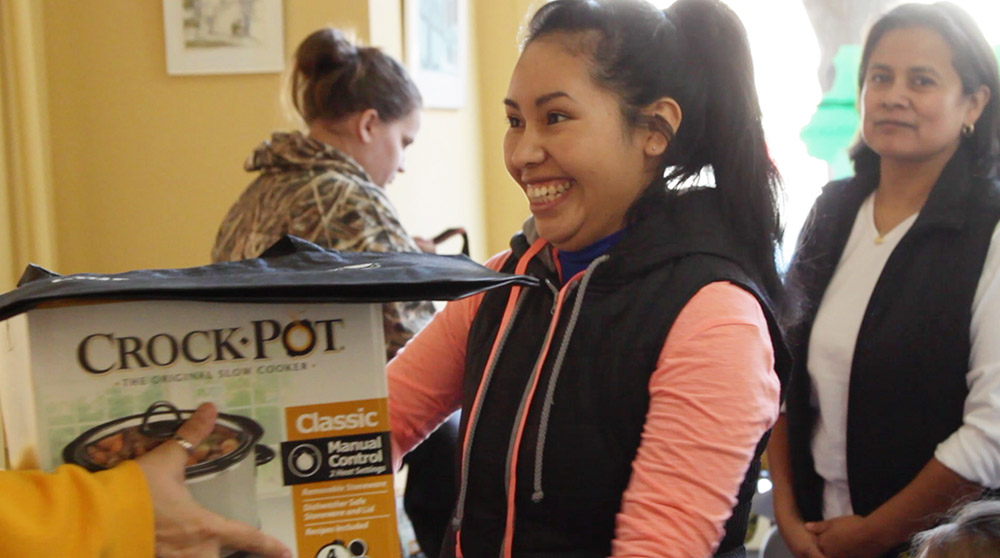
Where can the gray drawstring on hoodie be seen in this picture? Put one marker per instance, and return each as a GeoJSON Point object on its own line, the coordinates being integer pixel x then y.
{"type": "Point", "coordinates": [456, 520]}
{"type": "Point", "coordinates": [537, 495]}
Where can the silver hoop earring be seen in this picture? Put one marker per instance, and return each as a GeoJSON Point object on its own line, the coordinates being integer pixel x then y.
{"type": "Point", "coordinates": [968, 129]}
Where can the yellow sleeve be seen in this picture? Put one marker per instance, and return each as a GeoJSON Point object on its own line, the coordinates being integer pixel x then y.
{"type": "Point", "coordinates": [72, 512]}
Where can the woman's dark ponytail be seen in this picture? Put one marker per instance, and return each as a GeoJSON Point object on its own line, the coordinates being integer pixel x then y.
{"type": "Point", "coordinates": [725, 128]}
{"type": "Point", "coordinates": [333, 78]}
{"type": "Point", "coordinates": [697, 53]}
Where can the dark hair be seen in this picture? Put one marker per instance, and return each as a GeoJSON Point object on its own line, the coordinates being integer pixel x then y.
{"type": "Point", "coordinates": [697, 53]}
{"type": "Point", "coordinates": [333, 78]}
{"type": "Point", "coordinates": [973, 531]}
{"type": "Point", "coordinates": [974, 61]}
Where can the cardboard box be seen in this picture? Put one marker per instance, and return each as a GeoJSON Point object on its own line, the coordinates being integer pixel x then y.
{"type": "Point", "coordinates": [292, 340]}
{"type": "Point", "coordinates": [311, 374]}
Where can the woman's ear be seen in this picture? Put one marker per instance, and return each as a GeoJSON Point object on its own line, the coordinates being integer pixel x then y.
{"type": "Point", "coordinates": [365, 125]}
{"type": "Point", "coordinates": [977, 103]}
{"type": "Point", "coordinates": [664, 119]}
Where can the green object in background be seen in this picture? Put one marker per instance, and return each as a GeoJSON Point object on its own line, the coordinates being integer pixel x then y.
{"type": "Point", "coordinates": [834, 125]}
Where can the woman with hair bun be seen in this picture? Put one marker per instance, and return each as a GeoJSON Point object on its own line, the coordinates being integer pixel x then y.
{"type": "Point", "coordinates": [620, 408]}
{"type": "Point", "coordinates": [893, 408]}
{"type": "Point", "coordinates": [327, 186]}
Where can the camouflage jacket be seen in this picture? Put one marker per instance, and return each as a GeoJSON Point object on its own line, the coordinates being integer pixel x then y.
{"type": "Point", "coordinates": [313, 191]}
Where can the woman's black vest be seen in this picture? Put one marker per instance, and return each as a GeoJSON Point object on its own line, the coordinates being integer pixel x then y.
{"type": "Point", "coordinates": [601, 395]}
{"type": "Point", "coordinates": [908, 374]}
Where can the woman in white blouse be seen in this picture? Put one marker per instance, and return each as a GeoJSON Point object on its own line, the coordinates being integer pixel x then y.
{"type": "Point", "coordinates": [893, 410]}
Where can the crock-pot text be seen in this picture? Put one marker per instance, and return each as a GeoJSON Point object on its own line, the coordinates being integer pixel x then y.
{"type": "Point", "coordinates": [99, 353]}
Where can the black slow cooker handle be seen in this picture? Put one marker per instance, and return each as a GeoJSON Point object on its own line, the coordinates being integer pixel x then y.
{"type": "Point", "coordinates": [147, 430]}
{"type": "Point", "coordinates": [262, 454]}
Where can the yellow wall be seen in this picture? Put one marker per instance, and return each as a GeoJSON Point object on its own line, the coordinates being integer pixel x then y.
{"type": "Point", "coordinates": [493, 51]}
{"type": "Point", "coordinates": [497, 25]}
{"type": "Point", "coordinates": [442, 185]}
{"type": "Point", "coordinates": [26, 208]}
{"type": "Point", "coordinates": [145, 165]}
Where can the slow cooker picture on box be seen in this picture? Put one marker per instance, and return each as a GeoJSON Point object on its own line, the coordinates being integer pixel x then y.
{"type": "Point", "coordinates": [221, 471]}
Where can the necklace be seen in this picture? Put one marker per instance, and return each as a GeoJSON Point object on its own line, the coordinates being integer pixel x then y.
{"type": "Point", "coordinates": [879, 236]}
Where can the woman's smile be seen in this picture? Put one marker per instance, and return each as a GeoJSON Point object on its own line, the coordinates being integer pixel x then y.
{"type": "Point", "coordinates": [543, 193]}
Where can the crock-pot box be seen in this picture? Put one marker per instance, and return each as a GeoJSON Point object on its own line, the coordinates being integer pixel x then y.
{"type": "Point", "coordinates": [291, 341]}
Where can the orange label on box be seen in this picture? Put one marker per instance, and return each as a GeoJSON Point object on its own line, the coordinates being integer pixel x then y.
{"type": "Point", "coordinates": [338, 463]}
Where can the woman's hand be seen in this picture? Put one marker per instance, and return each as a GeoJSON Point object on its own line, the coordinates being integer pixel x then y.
{"type": "Point", "coordinates": [183, 528]}
{"type": "Point", "coordinates": [799, 540]}
{"type": "Point", "coordinates": [934, 491]}
{"type": "Point", "coordinates": [802, 542]}
{"type": "Point", "coordinates": [845, 537]}
{"type": "Point", "coordinates": [426, 245]}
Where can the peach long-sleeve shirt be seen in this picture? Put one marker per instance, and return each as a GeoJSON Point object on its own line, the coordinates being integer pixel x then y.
{"type": "Point", "coordinates": [713, 395]}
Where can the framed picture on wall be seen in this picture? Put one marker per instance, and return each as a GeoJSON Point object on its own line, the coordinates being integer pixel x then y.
{"type": "Point", "coordinates": [436, 34]}
{"type": "Point", "coordinates": [223, 36]}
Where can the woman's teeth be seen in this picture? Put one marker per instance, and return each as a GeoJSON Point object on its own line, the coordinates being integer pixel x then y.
{"type": "Point", "coordinates": [547, 191]}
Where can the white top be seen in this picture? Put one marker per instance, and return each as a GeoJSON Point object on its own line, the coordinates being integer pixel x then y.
{"type": "Point", "coordinates": [972, 451]}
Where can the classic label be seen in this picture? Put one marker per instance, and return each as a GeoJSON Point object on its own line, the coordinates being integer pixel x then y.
{"type": "Point", "coordinates": [338, 462]}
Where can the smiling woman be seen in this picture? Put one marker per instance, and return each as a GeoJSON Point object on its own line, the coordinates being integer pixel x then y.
{"type": "Point", "coordinates": [622, 410]}
{"type": "Point", "coordinates": [579, 164]}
